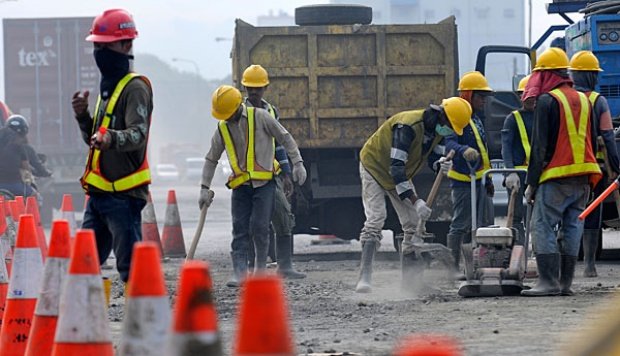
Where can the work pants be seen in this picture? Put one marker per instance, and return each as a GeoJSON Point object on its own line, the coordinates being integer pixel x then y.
{"type": "Point", "coordinates": [460, 226]}
{"type": "Point", "coordinates": [283, 219]}
{"type": "Point", "coordinates": [594, 221]}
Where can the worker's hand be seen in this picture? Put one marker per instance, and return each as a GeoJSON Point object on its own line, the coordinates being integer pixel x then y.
{"type": "Point", "coordinates": [206, 198]}
{"type": "Point", "coordinates": [612, 177]}
{"type": "Point", "coordinates": [471, 154]}
{"type": "Point", "coordinates": [423, 211]}
{"type": "Point", "coordinates": [513, 181]}
{"type": "Point", "coordinates": [287, 185]}
{"type": "Point", "coordinates": [490, 189]}
{"type": "Point", "coordinates": [79, 102]}
{"type": "Point", "coordinates": [299, 173]}
{"type": "Point", "coordinates": [101, 142]}
{"type": "Point", "coordinates": [530, 193]}
{"type": "Point", "coordinates": [445, 165]}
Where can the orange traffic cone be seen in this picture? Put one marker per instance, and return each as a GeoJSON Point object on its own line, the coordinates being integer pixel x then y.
{"type": "Point", "coordinates": [263, 318]}
{"type": "Point", "coordinates": [32, 207]}
{"type": "Point", "coordinates": [41, 337]}
{"type": "Point", "coordinates": [150, 232]}
{"type": "Point", "coordinates": [23, 288]}
{"type": "Point", "coordinates": [67, 212]}
{"type": "Point", "coordinates": [147, 311]}
{"type": "Point", "coordinates": [194, 325]}
{"type": "Point", "coordinates": [5, 242]}
{"type": "Point", "coordinates": [172, 237]}
{"type": "Point", "coordinates": [82, 319]}
{"type": "Point", "coordinates": [21, 206]}
{"type": "Point", "coordinates": [428, 345]}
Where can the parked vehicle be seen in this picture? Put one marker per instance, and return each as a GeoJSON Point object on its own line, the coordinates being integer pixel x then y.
{"type": "Point", "coordinates": [166, 172]}
{"type": "Point", "coordinates": [193, 169]}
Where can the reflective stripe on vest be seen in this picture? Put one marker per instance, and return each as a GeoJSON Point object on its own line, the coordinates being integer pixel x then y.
{"type": "Point", "coordinates": [577, 136]}
{"type": "Point", "coordinates": [276, 165]}
{"type": "Point", "coordinates": [92, 175]}
{"type": "Point", "coordinates": [240, 176]}
{"type": "Point", "coordinates": [486, 164]}
{"type": "Point", "coordinates": [592, 96]}
{"type": "Point", "coordinates": [524, 140]}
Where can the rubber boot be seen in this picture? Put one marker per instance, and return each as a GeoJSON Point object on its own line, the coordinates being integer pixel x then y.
{"type": "Point", "coordinates": [454, 244]}
{"type": "Point", "coordinates": [284, 257]}
{"type": "Point", "coordinates": [567, 272]}
{"type": "Point", "coordinates": [548, 276]}
{"type": "Point", "coordinates": [369, 248]}
{"type": "Point", "coordinates": [590, 245]}
{"type": "Point", "coordinates": [240, 268]}
{"type": "Point", "coordinates": [262, 253]}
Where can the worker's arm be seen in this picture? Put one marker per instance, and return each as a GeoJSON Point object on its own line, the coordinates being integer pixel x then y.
{"type": "Point", "coordinates": [452, 143]}
{"type": "Point", "coordinates": [137, 113]}
{"type": "Point", "coordinates": [38, 169]}
{"type": "Point", "coordinates": [212, 159]}
{"type": "Point", "coordinates": [277, 131]}
{"type": "Point", "coordinates": [606, 130]}
{"type": "Point", "coordinates": [541, 134]}
{"type": "Point", "coordinates": [85, 122]}
{"type": "Point", "coordinates": [402, 138]}
{"type": "Point", "coordinates": [509, 131]}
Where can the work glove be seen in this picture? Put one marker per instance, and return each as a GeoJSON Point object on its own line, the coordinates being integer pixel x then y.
{"type": "Point", "coordinates": [299, 173]}
{"type": "Point", "coordinates": [513, 181]}
{"type": "Point", "coordinates": [206, 198]}
{"type": "Point", "coordinates": [471, 154]}
{"type": "Point", "coordinates": [530, 193]}
{"type": "Point", "coordinates": [423, 211]}
{"type": "Point", "coordinates": [287, 185]}
{"type": "Point", "coordinates": [443, 165]}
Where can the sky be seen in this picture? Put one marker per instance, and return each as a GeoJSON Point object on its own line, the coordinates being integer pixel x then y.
{"type": "Point", "coordinates": [187, 29]}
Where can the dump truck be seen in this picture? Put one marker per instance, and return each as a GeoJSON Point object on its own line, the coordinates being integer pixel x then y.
{"type": "Point", "coordinates": [334, 86]}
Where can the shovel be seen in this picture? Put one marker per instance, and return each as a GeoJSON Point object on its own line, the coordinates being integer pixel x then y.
{"type": "Point", "coordinates": [201, 224]}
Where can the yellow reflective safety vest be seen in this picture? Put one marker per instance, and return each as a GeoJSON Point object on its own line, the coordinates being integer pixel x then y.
{"type": "Point", "coordinates": [573, 155]}
{"type": "Point", "coordinates": [592, 96]}
{"type": "Point", "coordinates": [253, 171]}
{"type": "Point", "coordinates": [92, 174]}
{"type": "Point", "coordinates": [525, 141]}
{"type": "Point", "coordinates": [486, 163]}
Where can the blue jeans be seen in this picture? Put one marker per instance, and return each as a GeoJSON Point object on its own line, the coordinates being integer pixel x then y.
{"type": "Point", "coordinates": [461, 211]}
{"type": "Point", "coordinates": [555, 204]}
{"type": "Point", "coordinates": [252, 209]}
{"type": "Point", "coordinates": [18, 188]}
{"type": "Point", "coordinates": [117, 222]}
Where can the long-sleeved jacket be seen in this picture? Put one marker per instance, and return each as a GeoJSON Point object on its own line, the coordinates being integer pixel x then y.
{"type": "Point", "coordinates": [266, 129]}
{"type": "Point", "coordinates": [129, 129]}
{"type": "Point", "coordinates": [459, 144]}
{"type": "Point", "coordinates": [513, 152]}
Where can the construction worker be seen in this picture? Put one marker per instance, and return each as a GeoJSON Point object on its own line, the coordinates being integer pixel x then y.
{"type": "Point", "coordinates": [561, 171]}
{"type": "Point", "coordinates": [14, 161]}
{"type": "Point", "coordinates": [471, 150]}
{"type": "Point", "coordinates": [584, 69]}
{"type": "Point", "coordinates": [389, 160]}
{"type": "Point", "coordinates": [516, 138]}
{"type": "Point", "coordinates": [247, 135]}
{"type": "Point", "coordinates": [256, 80]}
{"type": "Point", "coordinates": [117, 175]}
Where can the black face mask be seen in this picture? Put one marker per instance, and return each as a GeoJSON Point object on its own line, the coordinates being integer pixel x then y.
{"type": "Point", "coordinates": [113, 66]}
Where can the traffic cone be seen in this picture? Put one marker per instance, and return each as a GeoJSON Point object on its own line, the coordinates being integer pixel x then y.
{"type": "Point", "coordinates": [41, 337]}
{"type": "Point", "coordinates": [32, 207]}
{"type": "Point", "coordinates": [67, 212]}
{"type": "Point", "coordinates": [263, 318]}
{"type": "Point", "coordinates": [427, 345]}
{"type": "Point", "coordinates": [150, 232]}
{"type": "Point", "coordinates": [5, 242]}
{"type": "Point", "coordinates": [23, 288]}
{"type": "Point", "coordinates": [147, 311]}
{"type": "Point", "coordinates": [82, 319]}
{"type": "Point", "coordinates": [194, 325]}
{"type": "Point", "coordinates": [11, 225]}
{"type": "Point", "coordinates": [21, 206]}
{"type": "Point", "coordinates": [172, 237]}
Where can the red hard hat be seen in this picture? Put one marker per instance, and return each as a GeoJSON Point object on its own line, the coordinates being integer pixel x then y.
{"type": "Point", "coordinates": [113, 25]}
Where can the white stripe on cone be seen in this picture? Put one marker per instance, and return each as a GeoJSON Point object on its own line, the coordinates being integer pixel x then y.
{"type": "Point", "coordinates": [26, 273]}
{"type": "Point", "coordinates": [70, 217]}
{"type": "Point", "coordinates": [82, 315]}
{"type": "Point", "coordinates": [5, 243]}
{"type": "Point", "coordinates": [4, 273]}
{"type": "Point", "coordinates": [146, 323]}
{"type": "Point", "coordinates": [148, 214]}
{"type": "Point", "coordinates": [53, 275]}
{"type": "Point", "coordinates": [178, 342]}
{"type": "Point", "coordinates": [11, 230]}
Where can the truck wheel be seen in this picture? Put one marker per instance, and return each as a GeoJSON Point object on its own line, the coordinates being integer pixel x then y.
{"type": "Point", "coordinates": [333, 14]}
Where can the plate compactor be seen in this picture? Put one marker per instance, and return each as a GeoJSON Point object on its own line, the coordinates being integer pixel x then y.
{"type": "Point", "coordinates": [494, 262]}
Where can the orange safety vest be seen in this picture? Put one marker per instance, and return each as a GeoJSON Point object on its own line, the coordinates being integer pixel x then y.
{"type": "Point", "coordinates": [573, 154]}
{"type": "Point", "coordinates": [92, 174]}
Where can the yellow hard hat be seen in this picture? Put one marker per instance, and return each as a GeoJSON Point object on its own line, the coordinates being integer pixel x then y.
{"type": "Point", "coordinates": [255, 76]}
{"type": "Point", "coordinates": [474, 81]}
{"type": "Point", "coordinates": [458, 112]}
{"type": "Point", "coordinates": [225, 102]}
{"type": "Point", "coordinates": [584, 61]}
{"type": "Point", "coordinates": [523, 82]}
{"type": "Point", "coordinates": [552, 58]}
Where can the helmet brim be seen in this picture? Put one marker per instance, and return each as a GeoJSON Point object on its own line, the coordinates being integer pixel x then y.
{"type": "Point", "coordinates": [107, 38]}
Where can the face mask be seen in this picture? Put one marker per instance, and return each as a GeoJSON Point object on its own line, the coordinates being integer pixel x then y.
{"type": "Point", "coordinates": [113, 66]}
{"type": "Point", "coordinates": [443, 130]}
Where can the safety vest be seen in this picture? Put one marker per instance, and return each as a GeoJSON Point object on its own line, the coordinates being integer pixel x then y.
{"type": "Point", "coordinates": [573, 154]}
{"type": "Point", "coordinates": [592, 96]}
{"type": "Point", "coordinates": [92, 174]}
{"type": "Point", "coordinates": [525, 141]}
{"type": "Point", "coordinates": [253, 170]}
{"type": "Point", "coordinates": [486, 163]}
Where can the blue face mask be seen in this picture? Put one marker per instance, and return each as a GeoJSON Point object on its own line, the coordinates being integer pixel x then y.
{"type": "Point", "coordinates": [443, 130]}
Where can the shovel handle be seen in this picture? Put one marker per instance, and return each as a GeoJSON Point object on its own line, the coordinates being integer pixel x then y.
{"type": "Point", "coordinates": [435, 188]}
{"type": "Point", "coordinates": [612, 187]}
{"type": "Point", "coordinates": [511, 207]}
{"type": "Point", "coordinates": [201, 224]}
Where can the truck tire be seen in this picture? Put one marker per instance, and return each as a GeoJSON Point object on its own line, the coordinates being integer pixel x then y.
{"type": "Point", "coordinates": [333, 14]}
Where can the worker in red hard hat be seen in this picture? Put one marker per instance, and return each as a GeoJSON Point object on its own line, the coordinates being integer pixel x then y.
{"type": "Point", "coordinates": [117, 173]}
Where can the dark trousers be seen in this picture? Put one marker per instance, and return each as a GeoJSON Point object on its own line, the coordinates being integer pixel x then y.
{"type": "Point", "coordinates": [117, 223]}
{"type": "Point", "coordinates": [252, 209]}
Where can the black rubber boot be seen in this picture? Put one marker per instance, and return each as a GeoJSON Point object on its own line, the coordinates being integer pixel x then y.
{"type": "Point", "coordinates": [590, 245]}
{"type": "Point", "coordinates": [369, 248]}
{"type": "Point", "coordinates": [284, 257]}
{"type": "Point", "coordinates": [548, 276]}
{"type": "Point", "coordinates": [240, 269]}
{"type": "Point", "coordinates": [567, 272]}
{"type": "Point", "coordinates": [454, 243]}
